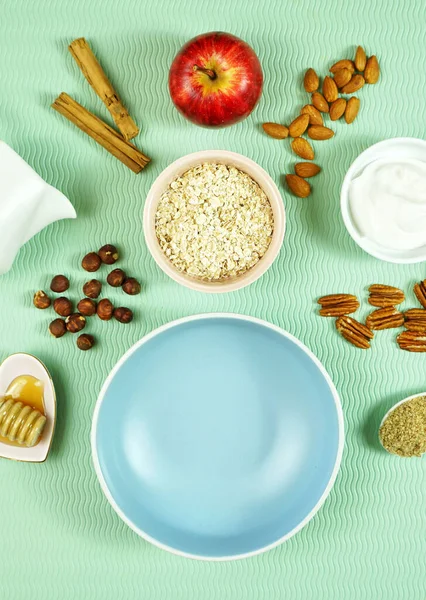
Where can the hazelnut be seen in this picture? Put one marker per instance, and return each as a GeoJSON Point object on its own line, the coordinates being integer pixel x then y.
{"type": "Point", "coordinates": [85, 341]}
{"type": "Point", "coordinates": [123, 315]}
{"type": "Point", "coordinates": [91, 262]}
{"type": "Point", "coordinates": [57, 328]}
{"type": "Point", "coordinates": [59, 284]}
{"type": "Point", "coordinates": [62, 306]}
{"type": "Point", "coordinates": [75, 323]}
{"type": "Point", "coordinates": [116, 277]}
{"type": "Point", "coordinates": [87, 307]}
{"type": "Point", "coordinates": [41, 300]}
{"type": "Point", "coordinates": [105, 310]}
{"type": "Point", "coordinates": [131, 286]}
{"type": "Point", "coordinates": [92, 288]}
{"type": "Point", "coordinates": [108, 254]}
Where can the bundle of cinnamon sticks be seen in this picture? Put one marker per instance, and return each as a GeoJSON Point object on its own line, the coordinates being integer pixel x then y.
{"type": "Point", "coordinates": [116, 143]}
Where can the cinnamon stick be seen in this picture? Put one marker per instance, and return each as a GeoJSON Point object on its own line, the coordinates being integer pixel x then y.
{"type": "Point", "coordinates": [101, 132]}
{"type": "Point", "coordinates": [96, 77]}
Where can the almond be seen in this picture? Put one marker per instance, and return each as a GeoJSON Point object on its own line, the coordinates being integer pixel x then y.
{"type": "Point", "coordinates": [372, 70]}
{"type": "Point", "coordinates": [352, 108]}
{"type": "Point", "coordinates": [320, 102]}
{"type": "Point", "coordinates": [342, 77]}
{"type": "Point", "coordinates": [337, 109]}
{"type": "Point", "coordinates": [343, 64]}
{"type": "Point", "coordinates": [315, 117]}
{"type": "Point", "coordinates": [311, 81]}
{"type": "Point", "coordinates": [298, 126]}
{"type": "Point", "coordinates": [318, 132]}
{"type": "Point", "coordinates": [354, 85]}
{"type": "Point", "coordinates": [308, 169]}
{"type": "Point", "coordinates": [298, 186]}
{"type": "Point", "coordinates": [360, 59]}
{"type": "Point", "coordinates": [279, 132]}
{"type": "Point", "coordinates": [303, 148]}
{"type": "Point", "coordinates": [329, 89]}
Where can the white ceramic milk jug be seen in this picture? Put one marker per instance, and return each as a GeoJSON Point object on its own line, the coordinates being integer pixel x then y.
{"type": "Point", "coordinates": [27, 205]}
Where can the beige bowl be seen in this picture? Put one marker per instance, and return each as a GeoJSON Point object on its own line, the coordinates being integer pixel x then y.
{"type": "Point", "coordinates": [227, 158]}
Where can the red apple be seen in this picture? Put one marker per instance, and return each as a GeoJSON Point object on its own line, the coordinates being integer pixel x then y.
{"type": "Point", "coordinates": [215, 80]}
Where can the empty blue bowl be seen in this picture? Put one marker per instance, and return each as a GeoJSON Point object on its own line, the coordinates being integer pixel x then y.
{"type": "Point", "coordinates": [217, 436]}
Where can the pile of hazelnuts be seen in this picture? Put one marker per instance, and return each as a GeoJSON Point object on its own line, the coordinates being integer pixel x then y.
{"type": "Point", "coordinates": [74, 322]}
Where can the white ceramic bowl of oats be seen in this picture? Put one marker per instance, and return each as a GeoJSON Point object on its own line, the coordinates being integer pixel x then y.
{"type": "Point", "coordinates": [214, 221]}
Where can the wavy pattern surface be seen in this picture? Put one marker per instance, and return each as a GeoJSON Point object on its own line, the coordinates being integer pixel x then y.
{"type": "Point", "coordinates": [59, 537]}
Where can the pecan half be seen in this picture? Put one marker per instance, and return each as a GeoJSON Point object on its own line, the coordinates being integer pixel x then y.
{"type": "Point", "coordinates": [385, 295]}
{"type": "Point", "coordinates": [337, 305]}
{"type": "Point", "coordinates": [420, 291]}
{"type": "Point", "coordinates": [354, 332]}
{"type": "Point", "coordinates": [412, 341]}
{"type": "Point", "coordinates": [385, 318]}
{"type": "Point", "coordinates": [415, 319]}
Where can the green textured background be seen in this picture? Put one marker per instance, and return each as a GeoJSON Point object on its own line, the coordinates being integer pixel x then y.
{"type": "Point", "coordinates": [59, 537]}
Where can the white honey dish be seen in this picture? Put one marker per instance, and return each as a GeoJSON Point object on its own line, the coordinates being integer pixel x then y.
{"type": "Point", "coordinates": [242, 163]}
{"type": "Point", "coordinates": [393, 149]}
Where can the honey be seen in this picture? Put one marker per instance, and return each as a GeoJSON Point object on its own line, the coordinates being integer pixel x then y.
{"type": "Point", "coordinates": [22, 412]}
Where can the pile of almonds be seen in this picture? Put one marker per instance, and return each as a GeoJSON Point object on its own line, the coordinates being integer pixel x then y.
{"type": "Point", "coordinates": [385, 298]}
{"type": "Point", "coordinates": [74, 322]}
{"type": "Point", "coordinates": [348, 76]}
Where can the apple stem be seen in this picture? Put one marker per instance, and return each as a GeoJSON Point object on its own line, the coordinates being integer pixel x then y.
{"type": "Point", "coordinates": [209, 72]}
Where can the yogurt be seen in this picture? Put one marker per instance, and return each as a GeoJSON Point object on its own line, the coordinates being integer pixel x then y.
{"type": "Point", "coordinates": [388, 203]}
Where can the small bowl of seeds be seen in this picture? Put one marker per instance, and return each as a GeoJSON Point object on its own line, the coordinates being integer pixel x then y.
{"type": "Point", "coordinates": [403, 428]}
{"type": "Point", "coordinates": [214, 221]}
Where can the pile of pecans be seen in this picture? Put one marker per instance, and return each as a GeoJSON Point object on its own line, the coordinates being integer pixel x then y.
{"type": "Point", "coordinates": [74, 322]}
{"type": "Point", "coordinates": [347, 77]}
{"type": "Point", "coordinates": [386, 316]}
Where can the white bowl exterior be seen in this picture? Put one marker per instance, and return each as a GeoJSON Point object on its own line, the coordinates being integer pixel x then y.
{"type": "Point", "coordinates": [156, 332]}
{"type": "Point", "coordinates": [25, 364]}
{"type": "Point", "coordinates": [222, 157]}
{"type": "Point", "coordinates": [392, 149]}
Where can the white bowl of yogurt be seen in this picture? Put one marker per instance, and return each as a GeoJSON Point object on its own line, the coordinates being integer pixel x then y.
{"type": "Point", "coordinates": [383, 200]}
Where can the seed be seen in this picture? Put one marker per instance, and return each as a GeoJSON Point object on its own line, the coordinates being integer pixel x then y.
{"type": "Point", "coordinates": [62, 306]}
{"type": "Point", "coordinates": [337, 109]}
{"type": "Point", "coordinates": [91, 262]}
{"type": "Point", "coordinates": [314, 114]}
{"type": "Point", "coordinates": [131, 286]}
{"type": "Point", "coordinates": [92, 288]}
{"type": "Point", "coordinates": [85, 341]}
{"type": "Point", "coordinates": [298, 126]}
{"type": "Point", "coordinates": [87, 307]}
{"type": "Point", "coordinates": [311, 81]}
{"type": "Point", "coordinates": [123, 314]}
{"type": "Point", "coordinates": [41, 300]}
{"type": "Point", "coordinates": [342, 77]}
{"type": "Point", "coordinates": [275, 130]}
{"type": "Point", "coordinates": [320, 102]}
{"type": "Point", "coordinates": [351, 110]}
{"type": "Point", "coordinates": [360, 59]}
{"type": "Point", "coordinates": [329, 89]}
{"type": "Point", "coordinates": [57, 328]}
{"type": "Point", "coordinates": [105, 309]}
{"type": "Point", "coordinates": [303, 148]}
{"type": "Point", "coordinates": [108, 254]}
{"type": "Point", "coordinates": [116, 278]}
{"type": "Point", "coordinates": [306, 169]}
{"type": "Point", "coordinates": [75, 323]}
{"type": "Point", "coordinates": [298, 186]}
{"type": "Point", "coordinates": [59, 284]}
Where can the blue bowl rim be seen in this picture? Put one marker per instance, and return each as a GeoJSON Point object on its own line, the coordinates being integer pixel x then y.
{"type": "Point", "coordinates": [176, 323]}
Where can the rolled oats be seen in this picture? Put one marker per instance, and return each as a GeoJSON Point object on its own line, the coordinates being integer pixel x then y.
{"type": "Point", "coordinates": [214, 222]}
